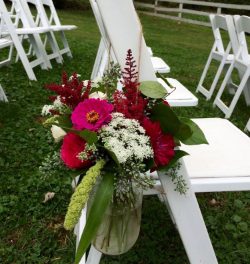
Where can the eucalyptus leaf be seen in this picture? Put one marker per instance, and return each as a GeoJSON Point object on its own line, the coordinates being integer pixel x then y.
{"type": "Point", "coordinates": [101, 200]}
{"type": "Point", "coordinates": [197, 137]}
{"type": "Point", "coordinates": [153, 89]}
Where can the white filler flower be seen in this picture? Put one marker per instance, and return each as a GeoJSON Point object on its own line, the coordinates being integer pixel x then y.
{"type": "Point", "coordinates": [126, 139]}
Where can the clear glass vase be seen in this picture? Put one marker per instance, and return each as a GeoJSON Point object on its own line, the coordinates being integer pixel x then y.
{"type": "Point", "coordinates": [120, 227]}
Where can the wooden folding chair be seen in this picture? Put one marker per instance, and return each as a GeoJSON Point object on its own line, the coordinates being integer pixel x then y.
{"type": "Point", "coordinates": [241, 63]}
{"type": "Point", "coordinates": [224, 55]}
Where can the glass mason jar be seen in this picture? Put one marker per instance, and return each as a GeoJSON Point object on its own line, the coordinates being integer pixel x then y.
{"type": "Point", "coordinates": [120, 226]}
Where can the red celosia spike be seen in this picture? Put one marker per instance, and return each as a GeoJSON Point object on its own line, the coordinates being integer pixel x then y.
{"type": "Point", "coordinates": [70, 91]}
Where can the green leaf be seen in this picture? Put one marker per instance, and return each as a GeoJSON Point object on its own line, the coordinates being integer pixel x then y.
{"type": "Point", "coordinates": [89, 136]}
{"type": "Point", "coordinates": [197, 137]}
{"type": "Point", "coordinates": [169, 122]}
{"type": "Point", "coordinates": [153, 89]}
{"type": "Point", "coordinates": [178, 154]}
{"type": "Point", "coordinates": [62, 121]}
{"type": "Point", "coordinates": [100, 203]}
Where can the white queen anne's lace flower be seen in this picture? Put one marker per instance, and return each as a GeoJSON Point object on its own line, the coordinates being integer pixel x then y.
{"type": "Point", "coordinates": [126, 139]}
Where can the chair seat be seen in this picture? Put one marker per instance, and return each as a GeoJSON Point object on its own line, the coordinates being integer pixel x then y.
{"type": "Point", "coordinates": [63, 27]}
{"type": "Point", "coordinates": [181, 96]}
{"type": "Point", "coordinates": [160, 65]}
{"type": "Point", "coordinates": [226, 156]}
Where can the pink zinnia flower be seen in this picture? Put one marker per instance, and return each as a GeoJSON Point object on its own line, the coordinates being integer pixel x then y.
{"type": "Point", "coordinates": [162, 144]}
{"type": "Point", "coordinates": [91, 114]}
{"type": "Point", "coordinates": [71, 147]}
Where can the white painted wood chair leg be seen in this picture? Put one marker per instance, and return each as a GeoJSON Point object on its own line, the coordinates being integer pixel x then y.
{"type": "Point", "coordinates": [80, 227]}
{"type": "Point", "coordinates": [228, 110]}
{"type": "Point", "coordinates": [189, 221]}
{"type": "Point", "coordinates": [3, 96]}
{"type": "Point", "coordinates": [94, 256]}
{"type": "Point", "coordinates": [247, 128]}
{"type": "Point", "coordinates": [98, 59]}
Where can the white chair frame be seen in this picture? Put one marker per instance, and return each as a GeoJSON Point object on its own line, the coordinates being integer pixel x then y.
{"type": "Point", "coordinates": [224, 55]}
{"type": "Point", "coordinates": [241, 62]}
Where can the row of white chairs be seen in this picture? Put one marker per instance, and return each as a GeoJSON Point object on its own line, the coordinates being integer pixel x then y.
{"type": "Point", "coordinates": [233, 56]}
{"type": "Point", "coordinates": [18, 23]}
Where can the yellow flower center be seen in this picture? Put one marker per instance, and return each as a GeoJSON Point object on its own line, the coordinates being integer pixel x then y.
{"type": "Point", "coordinates": [92, 116]}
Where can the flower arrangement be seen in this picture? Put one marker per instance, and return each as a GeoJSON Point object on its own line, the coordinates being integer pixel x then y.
{"type": "Point", "coordinates": [112, 138]}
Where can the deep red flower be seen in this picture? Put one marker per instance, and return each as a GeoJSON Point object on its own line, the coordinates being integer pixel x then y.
{"type": "Point", "coordinates": [71, 147]}
{"type": "Point", "coordinates": [162, 144]}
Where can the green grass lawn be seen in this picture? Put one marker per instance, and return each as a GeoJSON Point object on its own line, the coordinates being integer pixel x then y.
{"type": "Point", "coordinates": [31, 231]}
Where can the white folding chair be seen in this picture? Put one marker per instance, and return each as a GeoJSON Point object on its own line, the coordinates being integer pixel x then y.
{"type": "Point", "coordinates": [180, 97]}
{"type": "Point", "coordinates": [14, 34]}
{"type": "Point", "coordinates": [52, 20]}
{"type": "Point", "coordinates": [241, 62]}
{"type": "Point", "coordinates": [224, 55]}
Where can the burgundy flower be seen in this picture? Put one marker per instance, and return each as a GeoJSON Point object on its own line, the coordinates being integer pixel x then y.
{"type": "Point", "coordinates": [162, 144]}
{"type": "Point", "coordinates": [71, 147]}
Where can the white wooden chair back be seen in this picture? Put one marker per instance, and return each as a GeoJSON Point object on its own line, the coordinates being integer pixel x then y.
{"type": "Point", "coordinates": [241, 63]}
{"type": "Point", "coordinates": [131, 37]}
{"type": "Point", "coordinates": [53, 16]}
{"type": "Point", "coordinates": [224, 23]}
{"type": "Point", "coordinates": [125, 32]}
{"type": "Point", "coordinates": [242, 25]}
